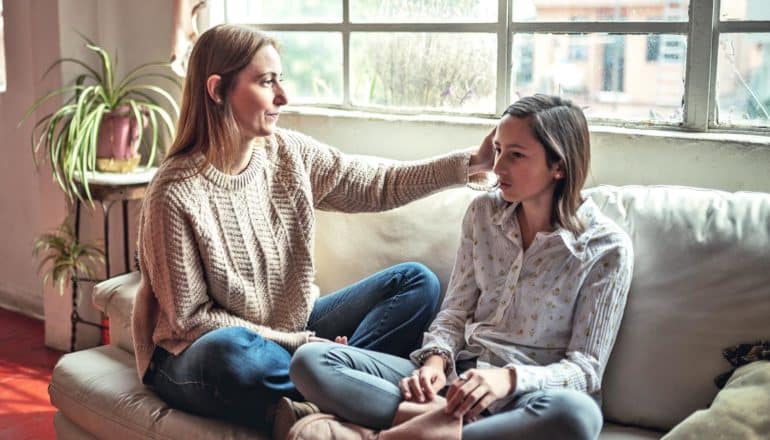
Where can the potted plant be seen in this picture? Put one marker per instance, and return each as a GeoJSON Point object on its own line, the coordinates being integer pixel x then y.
{"type": "Point", "coordinates": [65, 256]}
{"type": "Point", "coordinates": [102, 124]}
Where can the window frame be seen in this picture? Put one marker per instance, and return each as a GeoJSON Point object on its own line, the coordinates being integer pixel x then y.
{"type": "Point", "coordinates": [702, 32]}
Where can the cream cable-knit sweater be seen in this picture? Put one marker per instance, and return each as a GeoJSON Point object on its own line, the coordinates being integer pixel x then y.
{"type": "Point", "coordinates": [217, 250]}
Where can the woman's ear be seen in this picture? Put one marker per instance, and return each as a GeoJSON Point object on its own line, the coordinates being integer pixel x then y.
{"type": "Point", "coordinates": [557, 170]}
{"type": "Point", "coordinates": [212, 87]}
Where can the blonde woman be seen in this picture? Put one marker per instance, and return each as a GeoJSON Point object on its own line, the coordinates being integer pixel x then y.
{"type": "Point", "coordinates": [532, 307]}
{"type": "Point", "coordinates": [226, 233]}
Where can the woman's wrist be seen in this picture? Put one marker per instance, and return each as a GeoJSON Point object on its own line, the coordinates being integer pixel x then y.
{"type": "Point", "coordinates": [476, 165]}
{"type": "Point", "coordinates": [436, 361]}
{"type": "Point", "coordinates": [435, 352]}
{"type": "Point", "coordinates": [512, 377]}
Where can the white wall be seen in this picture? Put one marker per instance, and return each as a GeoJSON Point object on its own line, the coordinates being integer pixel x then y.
{"type": "Point", "coordinates": [619, 156]}
{"type": "Point", "coordinates": [39, 31]}
{"type": "Point", "coordinates": [29, 200]}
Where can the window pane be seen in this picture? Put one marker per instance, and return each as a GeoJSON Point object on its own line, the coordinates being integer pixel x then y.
{"type": "Point", "coordinates": [632, 77]}
{"type": "Point", "coordinates": [448, 72]}
{"type": "Point", "coordinates": [284, 11]}
{"type": "Point", "coordinates": [312, 66]}
{"type": "Point", "coordinates": [425, 11]}
{"type": "Point", "coordinates": [743, 80]}
{"type": "Point", "coordinates": [745, 10]}
{"type": "Point", "coordinates": [600, 10]}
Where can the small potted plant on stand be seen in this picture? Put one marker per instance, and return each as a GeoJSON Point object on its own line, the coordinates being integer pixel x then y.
{"type": "Point", "coordinates": [101, 125]}
{"type": "Point", "coordinates": [67, 261]}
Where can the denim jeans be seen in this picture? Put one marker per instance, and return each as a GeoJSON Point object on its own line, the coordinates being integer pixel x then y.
{"type": "Point", "coordinates": [235, 374]}
{"type": "Point", "coordinates": [339, 378]}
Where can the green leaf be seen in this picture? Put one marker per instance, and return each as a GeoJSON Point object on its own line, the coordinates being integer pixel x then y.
{"type": "Point", "coordinates": [38, 102]}
{"type": "Point", "coordinates": [107, 72]}
{"type": "Point", "coordinates": [157, 90]}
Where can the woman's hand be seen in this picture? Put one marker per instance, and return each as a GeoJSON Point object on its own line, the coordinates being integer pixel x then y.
{"type": "Point", "coordinates": [476, 389]}
{"type": "Point", "coordinates": [424, 382]}
{"type": "Point", "coordinates": [483, 159]}
{"type": "Point", "coordinates": [339, 339]}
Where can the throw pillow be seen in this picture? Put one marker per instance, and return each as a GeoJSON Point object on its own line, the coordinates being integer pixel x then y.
{"type": "Point", "coordinates": [739, 411]}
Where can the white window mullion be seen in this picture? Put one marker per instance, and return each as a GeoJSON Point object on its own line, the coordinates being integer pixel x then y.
{"type": "Point", "coordinates": [504, 65]}
{"type": "Point", "coordinates": [700, 76]}
{"type": "Point", "coordinates": [346, 54]}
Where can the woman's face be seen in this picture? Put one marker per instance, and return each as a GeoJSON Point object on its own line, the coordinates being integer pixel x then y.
{"type": "Point", "coordinates": [520, 163]}
{"type": "Point", "coordinates": [258, 96]}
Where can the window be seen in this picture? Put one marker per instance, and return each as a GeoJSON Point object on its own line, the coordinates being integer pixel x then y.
{"type": "Point", "coordinates": [653, 47]}
{"type": "Point", "coordinates": [654, 62]}
{"type": "Point", "coordinates": [613, 64]}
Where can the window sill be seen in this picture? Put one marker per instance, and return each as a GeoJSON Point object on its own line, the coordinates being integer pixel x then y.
{"type": "Point", "coordinates": [748, 138]}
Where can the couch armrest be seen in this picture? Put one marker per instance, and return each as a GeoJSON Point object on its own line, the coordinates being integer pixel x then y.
{"type": "Point", "coordinates": [115, 297]}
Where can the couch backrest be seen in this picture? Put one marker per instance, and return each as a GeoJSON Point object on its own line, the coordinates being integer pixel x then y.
{"type": "Point", "coordinates": [701, 282]}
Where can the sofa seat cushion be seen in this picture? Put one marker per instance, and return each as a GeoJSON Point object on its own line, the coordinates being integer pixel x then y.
{"type": "Point", "coordinates": [612, 431]}
{"type": "Point", "coordinates": [98, 390]}
{"type": "Point", "coordinates": [740, 410]}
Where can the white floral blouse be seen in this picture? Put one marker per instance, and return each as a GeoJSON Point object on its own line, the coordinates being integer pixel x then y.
{"type": "Point", "coordinates": [552, 312]}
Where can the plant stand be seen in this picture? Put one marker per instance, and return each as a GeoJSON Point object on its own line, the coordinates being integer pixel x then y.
{"type": "Point", "coordinates": [106, 189]}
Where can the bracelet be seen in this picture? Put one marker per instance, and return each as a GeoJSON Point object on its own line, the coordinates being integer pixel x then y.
{"type": "Point", "coordinates": [481, 182]}
{"type": "Point", "coordinates": [443, 353]}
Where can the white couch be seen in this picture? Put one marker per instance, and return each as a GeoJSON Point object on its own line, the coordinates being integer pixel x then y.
{"type": "Point", "coordinates": [701, 283]}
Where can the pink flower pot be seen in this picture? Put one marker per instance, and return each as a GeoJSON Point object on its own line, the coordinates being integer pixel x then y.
{"type": "Point", "coordinates": [118, 140]}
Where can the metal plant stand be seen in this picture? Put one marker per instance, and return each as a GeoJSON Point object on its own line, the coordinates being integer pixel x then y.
{"type": "Point", "coordinates": [107, 189]}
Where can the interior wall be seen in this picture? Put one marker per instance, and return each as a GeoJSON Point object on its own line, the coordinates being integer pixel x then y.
{"type": "Point", "coordinates": [28, 198]}
{"type": "Point", "coordinates": [619, 157]}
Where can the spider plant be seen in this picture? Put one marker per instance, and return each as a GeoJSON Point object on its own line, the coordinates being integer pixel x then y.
{"type": "Point", "coordinates": [70, 136]}
{"type": "Point", "coordinates": [65, 257]}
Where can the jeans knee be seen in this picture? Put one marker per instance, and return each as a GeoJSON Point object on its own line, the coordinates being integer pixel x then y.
{"type": "Point", "coordinates": [419, 274]}
{"type": "Point", "coordinates": [576, 414]}
{"type": "Point", "coordinates": [305, 365]}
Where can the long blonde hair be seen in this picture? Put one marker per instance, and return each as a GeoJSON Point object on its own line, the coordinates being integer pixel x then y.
{"type": "Point", "coordinates": [561, 127]}
{"type": "Point", "coordinates": [206, 126]}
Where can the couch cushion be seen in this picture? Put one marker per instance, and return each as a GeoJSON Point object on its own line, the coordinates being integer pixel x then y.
{"type": "Point", "coordinates": [115, 297]}
{"type": "Point", "coordinates": [740, 410]}
{"type": "Point", "coordinates": [701, 282]}
{"type": "Point", "coordinates": [67, 430]}
{"type": "Point", "coordinates": [350, 247]}
{"type": "Point", "coordinates": [98, 390]}
{"type": "Point", "coordinates": [612, 431]}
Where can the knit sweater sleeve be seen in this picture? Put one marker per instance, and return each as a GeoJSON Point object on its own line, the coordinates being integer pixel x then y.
{"type": "Point", "coordinates": [600, 306]}
{"type": "Point", "coordinates": [351, 183]}
{"type": "Point", "coordinates": [169, 256]}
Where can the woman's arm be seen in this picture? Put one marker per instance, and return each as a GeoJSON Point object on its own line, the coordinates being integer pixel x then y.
{"type": "Point", "coordinates": [447, 332]}
{"type": "Point", "coordinates": [350, 183]}
{"type": "Point", "coordinates": [170, 258]}
{"type": "Point", "coordinates": [599, 309]}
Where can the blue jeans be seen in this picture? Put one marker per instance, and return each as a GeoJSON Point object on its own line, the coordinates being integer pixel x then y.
{"type": "Point", "coordinates": [339, 378]}
{"type": "Point", "coordinates": [235, 374]}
